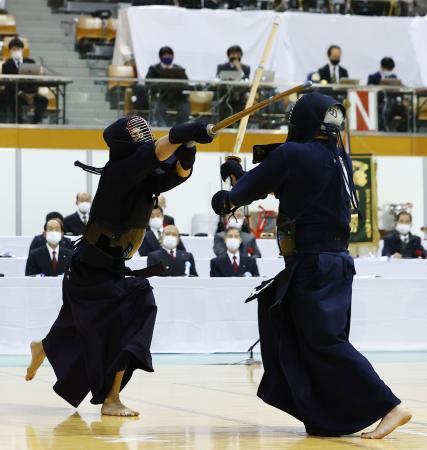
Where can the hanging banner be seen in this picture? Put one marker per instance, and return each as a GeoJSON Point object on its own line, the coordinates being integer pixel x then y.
{"type": "Point", "coordinates": [363, 111]}
{"type": "Point", "coordinates": [365, 233]}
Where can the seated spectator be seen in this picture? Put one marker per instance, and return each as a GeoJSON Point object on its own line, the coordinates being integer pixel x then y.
{"type": "Point", "coordinates": [52, 259]}
{"type": "Point", "coordinates": [40, 239]}
{"type": "Point", "coordinates": [75, 223]}
{"type": "Point", "coordinates": [167, 220]}
{"type": "Point", "coordinates": [153, 234]}
{"type": "Point", "coordinates": [332, 72]}
{"type": "Point", "coordinates": [167, 96]}
{"type": "Point", "coordinates": [233, 97]}
{"type": "Point", "coordinates": [27, 92]}
{"type": "Point", "coordinates": [248, 246]}
{"type": "Point", "coordinates": [234, 55]}
{"type": "Point", "coordinates": [177, 263]}
{"type": "Point", "coordinates": [233, 263]}
{"type": "Point", "coordinates": [402, 243]}
{"type": "Point", "coordinates": [385, 73]}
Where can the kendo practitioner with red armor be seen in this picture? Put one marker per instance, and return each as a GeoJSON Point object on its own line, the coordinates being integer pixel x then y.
{"type": "Point", "coordinates": [311, 370]}
{"type": "Point", "coordinates": [105, 326]}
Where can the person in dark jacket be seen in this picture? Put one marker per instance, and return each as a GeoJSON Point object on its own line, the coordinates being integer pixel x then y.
{"type": "Point", "coordinates": [167, 220]}
{"type": "Point", "coordinates": [27, 93]}
{"type": "Point", "coordinates": [153, 234]}
{"type": "Point", "coordinates": [333, 72]}
{"type": "Point", "coordinates": [40, 239]}
{"type": "Point", "coordinates": [385, 73]}
{"type": "Point", "coordinates": [402, 243]}
{"type": "Point", "coordinates": [104, 328]}
{"type": "Point", "coordinates": [248, 245]}
{"type": "Point", "coordinates": [75, 223]}
{"type": "Point", "coordinates": [311, 370]}
{"type": "Point", "coordinates": [168, 96]}
{"type": "Point", "coordinates": [51, 259]}
{"type": "Point", "coordinates": [232, 263]}
{"type": "Point", "coordinates": [234, 55]}
{"type": "Point", "coordinates": [177, 263]}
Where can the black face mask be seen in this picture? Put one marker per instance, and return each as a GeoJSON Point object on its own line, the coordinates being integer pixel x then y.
{"type": "Point", "coordinates": [234, 58]}
{"type": "Point", "coordinates": [335, 62]}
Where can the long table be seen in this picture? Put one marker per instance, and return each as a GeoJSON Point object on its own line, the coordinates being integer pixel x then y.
{"type": "Point", "coordinates": [201, 247]}
{"type": "Point", "coordinates": [208, 314]}
{"type": "Point", "coordinates": [268, 267]}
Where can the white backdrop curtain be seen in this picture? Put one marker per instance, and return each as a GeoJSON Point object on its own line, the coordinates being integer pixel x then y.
{"type": "Point", "coordinates": [200, 39]}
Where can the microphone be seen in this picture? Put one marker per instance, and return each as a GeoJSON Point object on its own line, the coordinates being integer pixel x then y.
{"type": "Point", "coordinates": [187, 268]}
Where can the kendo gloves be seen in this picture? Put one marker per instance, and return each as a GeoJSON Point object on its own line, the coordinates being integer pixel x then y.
{"type": "Point", "coordinates": [190, 131]}
{"type": "Point", "coordinates": [186, 156]}
{"type": "Point", "coordinates": [231, 167]}
{"type": "Point", "coordinates": [221, 203]}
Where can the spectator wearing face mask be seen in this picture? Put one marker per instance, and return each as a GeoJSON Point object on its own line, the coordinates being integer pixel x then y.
{"type": "Point", "coordinates": [232, 263]}
{"type": "Point", "coordinates": [75, 223]}
{"type": "Point", "coordinates": [40, 239]}
{"type": "Point", "coordinates": [152, 239]}
{"type": "Point", "coordinates": [402, 243]}
{"type": "Point", "coordinates": [248, 246]}
{"type": "Point", "coordinates": [332, 72]}
{"type": "Point", "coordinates": [385, 73]}
{"type": "Point", "coordinates": [168, 96]}
{"type": "Point", "coordinates": [234, 55]}
{"type": "Point", "coordinates": [177, 263]}
{"type": "Point", "coordinates": [52, 259]}
{"type": "Point", "coordinates": [20, 93]}
{"type": "Point", "coordinates": [167, 220]}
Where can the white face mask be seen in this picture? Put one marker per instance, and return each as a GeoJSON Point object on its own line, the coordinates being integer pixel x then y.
{"type": "Point", "coordinates": [156, 223]}
{"type": "Point", "coordinates": [16, 54]}
{"type": "Point", "coordinates": [403, 228]}
{"type": "Point", "coordinates": [236, 223]}
{"type": "Point", "coordinates": [170, 242]}
{"type": "Point", "coordinates": [232, 244]}
{"type": "Point", "coordinates": [53, 237]}
{"type": "Point", "coordinates": [83, 207]}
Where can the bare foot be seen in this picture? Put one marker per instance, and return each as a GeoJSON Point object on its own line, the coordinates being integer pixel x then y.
{"type": "Point", "coordinates": [397, 417]}
{"type": "Point", "coordinates": [37, 357]}
{"type": "Point", "coordinates": [114, 407]}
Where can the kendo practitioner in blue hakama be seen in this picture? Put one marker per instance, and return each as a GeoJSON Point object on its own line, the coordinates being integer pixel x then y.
{"type": "Point", "coordinates": [105, 325]}
{"type": "Point", "coordinates": [311, 370]}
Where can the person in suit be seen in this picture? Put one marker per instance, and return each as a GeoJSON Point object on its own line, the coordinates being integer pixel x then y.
{"type": "Point", "coordinates": [177, 263]}
{"type": "Point", "coordinates": [232, 263]}
{"type": "Point", "coordinates": [333, 72]}
{"type": "Point", "coordinates": [234, 96]}
{"type": "Point", "coordinates": [153, 234]}
{"type": "Point", "coordinates": [387, 66]}
{"type": "Point", "coordinates": [40, 239]}
{"type": "Point", "coordinates": [168, 97]}
{"type": "Point", "coordinates": [75, 223]}
{"type": "Point", "coordinates": [167, 220]}
{"type": "Point", "coordinates": [248, 245]}
{"type": "Point", "coordinates": [402, 243]}
{"type": "Point", "coordinates": [52, 259]}
{"type": "Point", "coordinates": [27, 93]}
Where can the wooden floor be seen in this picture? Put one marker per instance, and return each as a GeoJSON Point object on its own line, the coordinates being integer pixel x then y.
{"type": "Point", "coordinates": [188, 407]}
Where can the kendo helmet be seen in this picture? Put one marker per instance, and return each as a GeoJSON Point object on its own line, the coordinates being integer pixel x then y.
{"type": "Point", "coordinates": [125, 135]}
{"type": "Point", "coordinates": [315, 114]}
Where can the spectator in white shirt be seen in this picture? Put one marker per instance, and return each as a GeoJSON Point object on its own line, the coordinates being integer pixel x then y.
{"type": "Point", "coordinates": [75, 223]}
{"type": "Point", "coordinates": [232, 263]}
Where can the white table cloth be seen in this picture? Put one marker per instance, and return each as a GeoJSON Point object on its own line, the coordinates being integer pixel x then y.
{"type": "Point", "coordinates": [208, 315]}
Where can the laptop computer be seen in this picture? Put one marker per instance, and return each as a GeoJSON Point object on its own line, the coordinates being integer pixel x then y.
{"type": "Point", "coordinates": [29, 69]}
{"type": "Point", "coordinates": [391, 82]}
{"type": "Point", "coordinates": [268, 76]}
{"type": "Point", "coordinates": [174, 73]}
{"type": "Point", "coordinates": [230, 75]}
{"type": "Point", "coordinates": [349, 81]}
